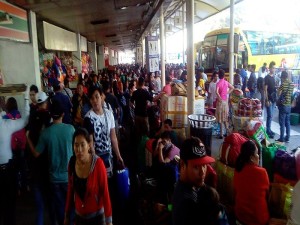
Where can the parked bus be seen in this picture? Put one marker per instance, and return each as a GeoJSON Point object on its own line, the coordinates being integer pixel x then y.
{"type": "Point", "coordinates": [250, 47]}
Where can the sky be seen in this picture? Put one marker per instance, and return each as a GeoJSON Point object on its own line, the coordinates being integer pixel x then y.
{"type": "Point", "coordinates": [271, 15]}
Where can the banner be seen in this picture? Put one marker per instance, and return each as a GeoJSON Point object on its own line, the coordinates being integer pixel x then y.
{"type": "Point", "coordinates": [13, 22]}
{"type": "Point", "coordinates": [152, 53]}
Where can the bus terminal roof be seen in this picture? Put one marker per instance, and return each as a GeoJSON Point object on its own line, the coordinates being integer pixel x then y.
{"type": "Point", "coordinates": [118, 24]}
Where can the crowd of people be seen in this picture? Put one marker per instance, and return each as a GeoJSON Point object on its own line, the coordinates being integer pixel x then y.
{"type": "Point", "coordinates": [74, 146]}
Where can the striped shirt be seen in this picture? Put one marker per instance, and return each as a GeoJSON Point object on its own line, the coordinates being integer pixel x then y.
{"type": "Point", "coordinates": [287, 88]}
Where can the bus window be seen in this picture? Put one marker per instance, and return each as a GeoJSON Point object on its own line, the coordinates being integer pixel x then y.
{"type": "Point", "coordinates": [208, 57]}
{"type": "Point", "coordinates": [222, 53]}
{"type": "Point", "coordinates": [222, 57]}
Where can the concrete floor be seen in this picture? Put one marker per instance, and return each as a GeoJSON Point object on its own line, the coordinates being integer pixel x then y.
{"type": "Point", "coordinates": [294, 139]}
{"type": "Point", "coordinates": [25, 203]}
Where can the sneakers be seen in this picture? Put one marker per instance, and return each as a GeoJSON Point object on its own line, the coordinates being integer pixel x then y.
{"type": "Point", "coordinates": [281, 140]}
{"type": "Point", "coordinates": [287, 140]}
{"type": "Point", "coordinates": [271, 134]}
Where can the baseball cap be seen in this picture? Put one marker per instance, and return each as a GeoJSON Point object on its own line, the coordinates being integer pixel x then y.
{"type": "Point", "coordinates": [194, 151]}
{"type": "Point", "coordinates": [41, 97]}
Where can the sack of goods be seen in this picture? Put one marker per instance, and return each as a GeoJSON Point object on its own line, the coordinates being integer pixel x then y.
{"type": "Point", "coordinates": [285, 164]}
{"type": "Point", "coordinates": [249, 107]}
{"type": "Point", "coordinates": [260, 136]}
{"type": "Point", "coordinates": [280, 200]}
{"type": "Point", "coordinates": [236, 95]}
{"type": "Point", "coordinates": [178, 89]}
{"type": "Point", "coordinates": [253, 126]}
{"type": "Point", "coordinates": [268, 155]}
{"type": "Point", "coordinates": [225, 181]}
{"type": "Point", "coordinates": [230, 149]}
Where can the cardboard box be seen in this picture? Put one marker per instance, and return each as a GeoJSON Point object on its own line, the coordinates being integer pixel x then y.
{"type": "Point", "coordinates": [175, 108]}
{"type": "Point", "coordinates": [241, 122]}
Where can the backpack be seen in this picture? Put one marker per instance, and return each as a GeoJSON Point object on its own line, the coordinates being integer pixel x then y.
{"type": "Point", "coordinates": [230, 148]}
{"type": "Point", "coordinates": [18, 140]}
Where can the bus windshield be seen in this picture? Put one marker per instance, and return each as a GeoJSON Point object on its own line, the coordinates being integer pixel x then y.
{"type": "Point", "coordinates": [215, 52]}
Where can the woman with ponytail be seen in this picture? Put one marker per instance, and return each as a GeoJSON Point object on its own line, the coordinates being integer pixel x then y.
{"type": "Point", "coordinates": [251, 185]}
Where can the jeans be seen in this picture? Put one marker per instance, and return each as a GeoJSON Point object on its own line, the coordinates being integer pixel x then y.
{"type": "Point", "coordinates": [8, 191]}
{"type": "Point", "coordinates": [42, 197]}
{"type": "Point", "coordinates": [251, 94]}
{"type": "Point", "coordinates": [59, 195]}
{"type": "Point", "coordinates": [284, 121]}
{"type": "Point", "coordinates": [270, 111]}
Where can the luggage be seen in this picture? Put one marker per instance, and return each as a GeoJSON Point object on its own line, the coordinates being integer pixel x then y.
{"type": "Point", "coordinates": [281, 180]}
{"type": "Point", "coordinates": [230, 149]}
{"type": "Point", "coordinates": [268, 155]}
{"type": "Point", "coordinates": [280, 200]}
{"type": "Point", "coordinates": [260, 136]}
{"type": "Point", "coordinates": [249, 107]}
{"type": "Point", "coordinates": [225, 181]}
{"type": "Point", "coordinates": [211, 177]}
{"type": "Point", "coordinates": [236, 95]}
{"type": "Point", "coordinates": [123, 183]}
{"type": "Point", "coordinates": [178, 89]}
{"type": "Point", "coordinates": [297, 156]}
{"type": "Point", "coordinates": [285, 164]}
{"type": "Point", "coordinates": [148, 151]}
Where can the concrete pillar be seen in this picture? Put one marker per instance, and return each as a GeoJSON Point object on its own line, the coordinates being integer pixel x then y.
{"type": "Point", "coordinates": [183, 33]}
{"type": "Point", "coordinates": [93, 55]}
{"type": "Point", "coordinates": [37, 76]}
{"type": "Point", "coordinates": [231, 43]}
{"type": "Point", "coordinates": [162, 46]}
{"type": "Point", "coordinates": [100, 58]}
{"type": "Point", "coordinates": [77, 55]}
{"type": "Point", "coordinates": [190, 55]}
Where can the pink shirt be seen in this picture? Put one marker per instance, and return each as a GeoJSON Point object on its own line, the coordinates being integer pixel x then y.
{"type": "Point", "coordinates": [223, 88]}
{"type": "Point", "coordinates": [174, 151]}
{"type": "Point", "coordinates": [167, 89]}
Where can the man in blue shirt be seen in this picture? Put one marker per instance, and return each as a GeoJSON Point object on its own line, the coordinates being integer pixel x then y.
{"type": "Point", "coordinates": [57, 141]}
